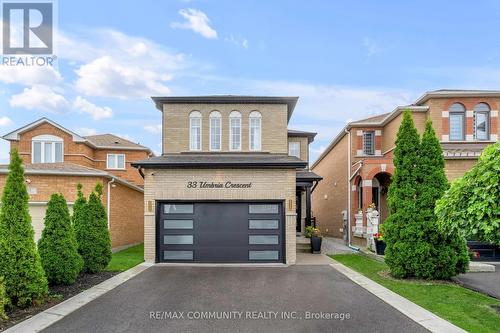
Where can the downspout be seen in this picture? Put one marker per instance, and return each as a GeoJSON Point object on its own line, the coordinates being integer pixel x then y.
{"type": "Point", "coordinates": [108, 202]}
{"type": "Point", "coordinates": [349, 190]}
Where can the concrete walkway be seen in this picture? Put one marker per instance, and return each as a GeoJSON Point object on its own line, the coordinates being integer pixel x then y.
{"type": "Point", "coordinates": [332, 245]}
{"type": "Point", "coordinates": [312, 259]}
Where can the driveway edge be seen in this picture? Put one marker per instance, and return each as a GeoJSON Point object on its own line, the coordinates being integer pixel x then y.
{"type": "Point", "coordinates": [48, 317]}
{"type": "Point", "coordinates": [413, 311]}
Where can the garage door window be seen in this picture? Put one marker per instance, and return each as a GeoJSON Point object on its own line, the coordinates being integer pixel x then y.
{"type": "Point", "coordinates": [178, 255]}
{"type": "Point", "coordinates": [178, 239]}
{"type": "Point", "coordinates": [263, 239]}
{"type": "Point", "coordinates": [264, 209]}
{"type": "Point", "coordinates": [177, 224]}
{"type": "Point", "coordinates": [178, 209]}
{"type": "Point", "coordinates": [263, 255]}
{"type": "Point", "coordinates": [263, 224]}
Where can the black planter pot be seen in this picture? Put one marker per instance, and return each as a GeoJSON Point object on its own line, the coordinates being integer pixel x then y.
{"type": "Point", "coordinates": [316, 244]}
{"type": "Point", "coordinates": [380, 246]}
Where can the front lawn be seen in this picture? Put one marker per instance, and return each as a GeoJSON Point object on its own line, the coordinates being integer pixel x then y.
{"type": "Point", "coordinates": [125, 259]}
{"type": "Point", "coordinates": [465, 308]}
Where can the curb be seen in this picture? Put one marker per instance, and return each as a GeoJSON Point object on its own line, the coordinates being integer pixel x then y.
{"type": "Point", "coordinates": [48, 317]}
{"type": "Point", "coordinates": [413, 311]}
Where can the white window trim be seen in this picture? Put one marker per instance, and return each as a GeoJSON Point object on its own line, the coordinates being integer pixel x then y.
{"type": "Point", "coordinates": [234, 115]}
{"type": "Point", "coordinates": [259, 148]}
{"type": "Point", "coordinates": [474, 126]}
{"type": "Point", "coordinates": [191, 131]}
{"type": "Point", "coordinates": [214, 115]}
{"type": "Point", "coordinates": [116, 161]}
{"type": "Point", "coordinates": [289, 148]}
{"type": "Point", "coordinates": [43, 139]}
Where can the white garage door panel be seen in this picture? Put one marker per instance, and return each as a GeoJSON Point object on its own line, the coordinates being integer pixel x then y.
{"type": "Point", "coordinates": [37, 212]}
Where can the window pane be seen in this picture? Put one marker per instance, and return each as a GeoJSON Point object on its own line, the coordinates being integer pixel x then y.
{"type": "Point", "coordinates": [215, 132]}
{"type": "Point", "coordinates": [37, 152]}
{"type": "Point", "coordinates": [456, 126]}
{"type": "Point", "coordinates": [178, 209]}
{"type": "Point", "coordinates": [369, 143]}
{"type": "Point", "coordinates": [263, 239]}
{"type": "Point", "coordinates": [111, 161]}
{"type": "Point", "coordinates": [255, 134]}
{"type": "Point", "coordinates": [177, 224]}
{"type": "Point", "coordinates": [294, 149]}
{"type": "Point", "coordinates": [263, 224]}
{"type": "Point", "coordinates": [195, 141]}
{"type": "Point", "coordinates": [263, 255]}
{"type": "Point", "coordinates": [235, 124]}
{"type": "Point", "coordinates": [178, 255]}
{"type": "Point", "coordinates": [264, 209]}
{"type": "Point", "coordinates": [121, 161]}
{"type": "Point", "coordinates": [59, 152]}
{"type": "Point", "coordinates": [481, 126]}
{"type": "Point", "coordinates": [177, 239]}
{"type": "Point", "coordinates": [48, 153]}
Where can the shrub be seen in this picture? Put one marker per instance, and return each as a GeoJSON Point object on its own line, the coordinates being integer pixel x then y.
{"type": "Point", "coordinates": [24, 278]}
{"type": "Point", "coordinates": [57, 246]}
{"type": "Point", "coordinates": [78, 219]}
{"type": "Point", "coordinates": [3, 300]}
{"type": "Point", "coordinates": [472, 204]}
{"type": "Point", "coordinates": [94, 241]}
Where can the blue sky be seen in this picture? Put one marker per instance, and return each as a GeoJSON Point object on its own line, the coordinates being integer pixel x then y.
{"type": "Point", "coordinates": [345, 60]}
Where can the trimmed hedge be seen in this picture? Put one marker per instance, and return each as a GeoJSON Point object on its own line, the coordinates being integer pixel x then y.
{"type": "Point", "coordinates": [20, 265]}
{"type": "Point", "coordinates": [57, 246]}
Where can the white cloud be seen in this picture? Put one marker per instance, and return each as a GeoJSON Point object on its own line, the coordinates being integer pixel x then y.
{"type": "Point", "coordinates": [371, 47]}
{"type": "Point", "coordinates": [85, 131]}
{"type": "Point", "coordinates": [29, 75]}
{"type": "Point", "coordinates": [40, 97]}
{"type": "Point", "coordinates": [96, 112]}
{"type": "Point", "coordinates": [197, 21]}
{"type": "Point", "coordinates": [5, 121]}
{"type": "Point", "coordinates": [238, 41]}
{"type": "Point", "coordinates": [155, 129]}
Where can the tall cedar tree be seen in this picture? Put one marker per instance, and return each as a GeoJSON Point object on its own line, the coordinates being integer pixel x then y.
{"type": "Point", "coordinates": [25, 281]}
{"type": "Point", "coordinates": [94, 241]}
{"type": "Point", "coordinates": [57, 246]}
{"type": "Point", "coordinates": [472, 204]}
{"type": "Point", "coordinates": [3, 300]}
{"type": "Point", "coordinates": [448, 254]}
{"type": "Point", "coordinates": [78, 218]}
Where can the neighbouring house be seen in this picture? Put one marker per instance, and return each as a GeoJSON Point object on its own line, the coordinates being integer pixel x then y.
{"type": "Point", "coordinates": [357, 166]}
{"type": "Point", "coordinates": [57, 159]}
{"type": "Point", "coordinates": [232, 184]}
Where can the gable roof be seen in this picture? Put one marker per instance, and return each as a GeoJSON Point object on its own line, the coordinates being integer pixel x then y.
{"type": "Point", "coordinates": [443, 93]}
{"type": "Point", "coordinates": [227, 99]}
{"type": "Point", "coordinates": [14, 135]}
{"type": "Point", "coordinates": [111, 141]}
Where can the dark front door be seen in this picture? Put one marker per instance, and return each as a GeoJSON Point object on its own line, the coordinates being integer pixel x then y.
{"type": "Point", "coordinates": [220, 232]}
{"type": "Point", "coordinates": [298, 206]}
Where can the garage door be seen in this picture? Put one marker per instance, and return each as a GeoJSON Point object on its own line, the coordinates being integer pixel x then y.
{"type": "Point", "coordinates": [220, 232]}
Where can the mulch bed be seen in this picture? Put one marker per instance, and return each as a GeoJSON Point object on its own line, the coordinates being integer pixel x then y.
{"type": "Point", "coordinates": [57, 294]}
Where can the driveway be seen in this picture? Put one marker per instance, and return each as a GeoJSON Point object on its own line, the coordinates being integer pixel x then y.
{"type": "Point", "coordinates": [487, 283]}
{"type": "Point", "coordinates": [171, 299]}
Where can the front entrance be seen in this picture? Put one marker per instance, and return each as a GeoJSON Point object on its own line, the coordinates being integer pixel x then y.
{"type": "Point", "coordinates": [298, 207]}
{"type": "Point", "coordinates": [220, 232]}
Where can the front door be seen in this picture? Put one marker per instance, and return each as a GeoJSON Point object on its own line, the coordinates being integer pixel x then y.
{"type": "Point", "coordinates": [298, 208]}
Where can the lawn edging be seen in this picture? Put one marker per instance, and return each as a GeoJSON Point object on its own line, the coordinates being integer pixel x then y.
{"type": "Point", "coordinates": [413, 311]}
{"type": "Point", "coordinates": [48, 317]}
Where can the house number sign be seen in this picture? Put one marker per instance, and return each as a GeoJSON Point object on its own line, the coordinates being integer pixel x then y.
{"type": "Point", "coordinates": [215, 185]}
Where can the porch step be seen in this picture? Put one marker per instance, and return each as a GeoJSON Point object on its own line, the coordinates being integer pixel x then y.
{"type": "Point", "coordinates": [303, 245]}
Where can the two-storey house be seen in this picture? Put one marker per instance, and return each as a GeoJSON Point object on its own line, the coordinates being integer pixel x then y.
{"type": "Point", "coordinates": [357, 166]}
{"type": "Point", "coordinates": [230, 184]}
{"type": "Point", "coordinates": [57, 159]}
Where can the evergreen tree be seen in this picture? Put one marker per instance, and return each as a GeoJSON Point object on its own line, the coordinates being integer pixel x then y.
{"type": "Point", "coordinates": [94, 240]}
{"type": "Point", "coordinates": [3, 300]}
{"type": "Point", "coordinates": [79, 219]}
{"type": "Point", "coordinates": [57, 246]}
{"type": "Point", "coordinates": [25, 281]}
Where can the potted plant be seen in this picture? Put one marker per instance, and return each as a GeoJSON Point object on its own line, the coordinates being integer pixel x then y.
{"type": "Point", "coordinates": [379, 243]}
{"type": "Point", "coordinates": [315, 235]}
{"type": "Point", "coordinates": [371, 208]}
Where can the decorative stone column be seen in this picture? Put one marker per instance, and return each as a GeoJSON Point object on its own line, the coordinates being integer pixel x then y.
{"type": "Point", "coordinates": [372, 220]}
{"type": "Point", "coordinates": [358, 228]}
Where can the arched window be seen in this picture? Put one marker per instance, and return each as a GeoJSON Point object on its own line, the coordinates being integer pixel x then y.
{"type": "Point", "coordinates": [215, 130]}
{"type": "Point", "coordinates": [482, 121]}
{"type": "Point", "coordinates": [235, 131]}
{"type": "Point", "coordinates": [195, 130]}
{"type": "Point", "coordinates": [47, 149]}
{"type": "Point", "coordinates": [255, 130]}
{"type": "Point", "coordinates": [457, 122]}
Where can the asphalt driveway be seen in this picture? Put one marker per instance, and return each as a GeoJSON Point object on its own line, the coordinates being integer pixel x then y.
{"type": "Point", "coordinates": [239, 299]}
{"type": "Point", "coordinates": [486, 283]}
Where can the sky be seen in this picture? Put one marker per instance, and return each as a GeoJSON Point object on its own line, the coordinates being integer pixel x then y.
{"type": "Point", "coordinates": [346, 60]}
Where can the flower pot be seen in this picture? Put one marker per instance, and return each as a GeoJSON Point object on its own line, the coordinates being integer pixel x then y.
{"type": "Point", "coordinates": [379, 246]}
{"type": "Point", "coordinates": [316, 244]}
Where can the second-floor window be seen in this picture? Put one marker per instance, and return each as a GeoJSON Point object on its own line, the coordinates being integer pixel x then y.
{"type": "Point", "coordinates": [47, 149]}
{"type": "Point", "coordinates": [457, 122]}
{"type": "Point", "coordinates": [481, 121]}
{"type": "Point", "coordinates": [369, 143]}
{"type": "Point", "coordinates": [115, 161]}
{"type": "Point", "coordinates": [294, 149]}
{"type": "Point", "coordinates": [195, 130]}
{"type": "Point", "coordinates": [215, 130]}
{"type": "Point", "coordinates": [235, 131]}
{"type": "Point", "coordinates": [255, 131]}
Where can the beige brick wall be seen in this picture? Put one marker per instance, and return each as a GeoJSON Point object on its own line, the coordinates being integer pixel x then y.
{"type": "Point", "coordinates": [304, 146]}
{"type": "Point", "coordinates": [457, 168]}
{"type": "Point", "coordinates": [176, 126]}
{"type": "Point", "coordinates": [267, 184]}
{"type": "Point", "coordinates": [390, 131]}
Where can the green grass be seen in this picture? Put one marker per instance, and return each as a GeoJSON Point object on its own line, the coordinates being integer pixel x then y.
{"type": "Point", "coordinates": [125, 259]}
{"type": "Point", "coordinates": [465, 308]}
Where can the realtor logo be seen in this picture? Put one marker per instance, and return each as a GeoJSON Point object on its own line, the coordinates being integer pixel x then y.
{"type": "Point", "coordinates": [28, 27]}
